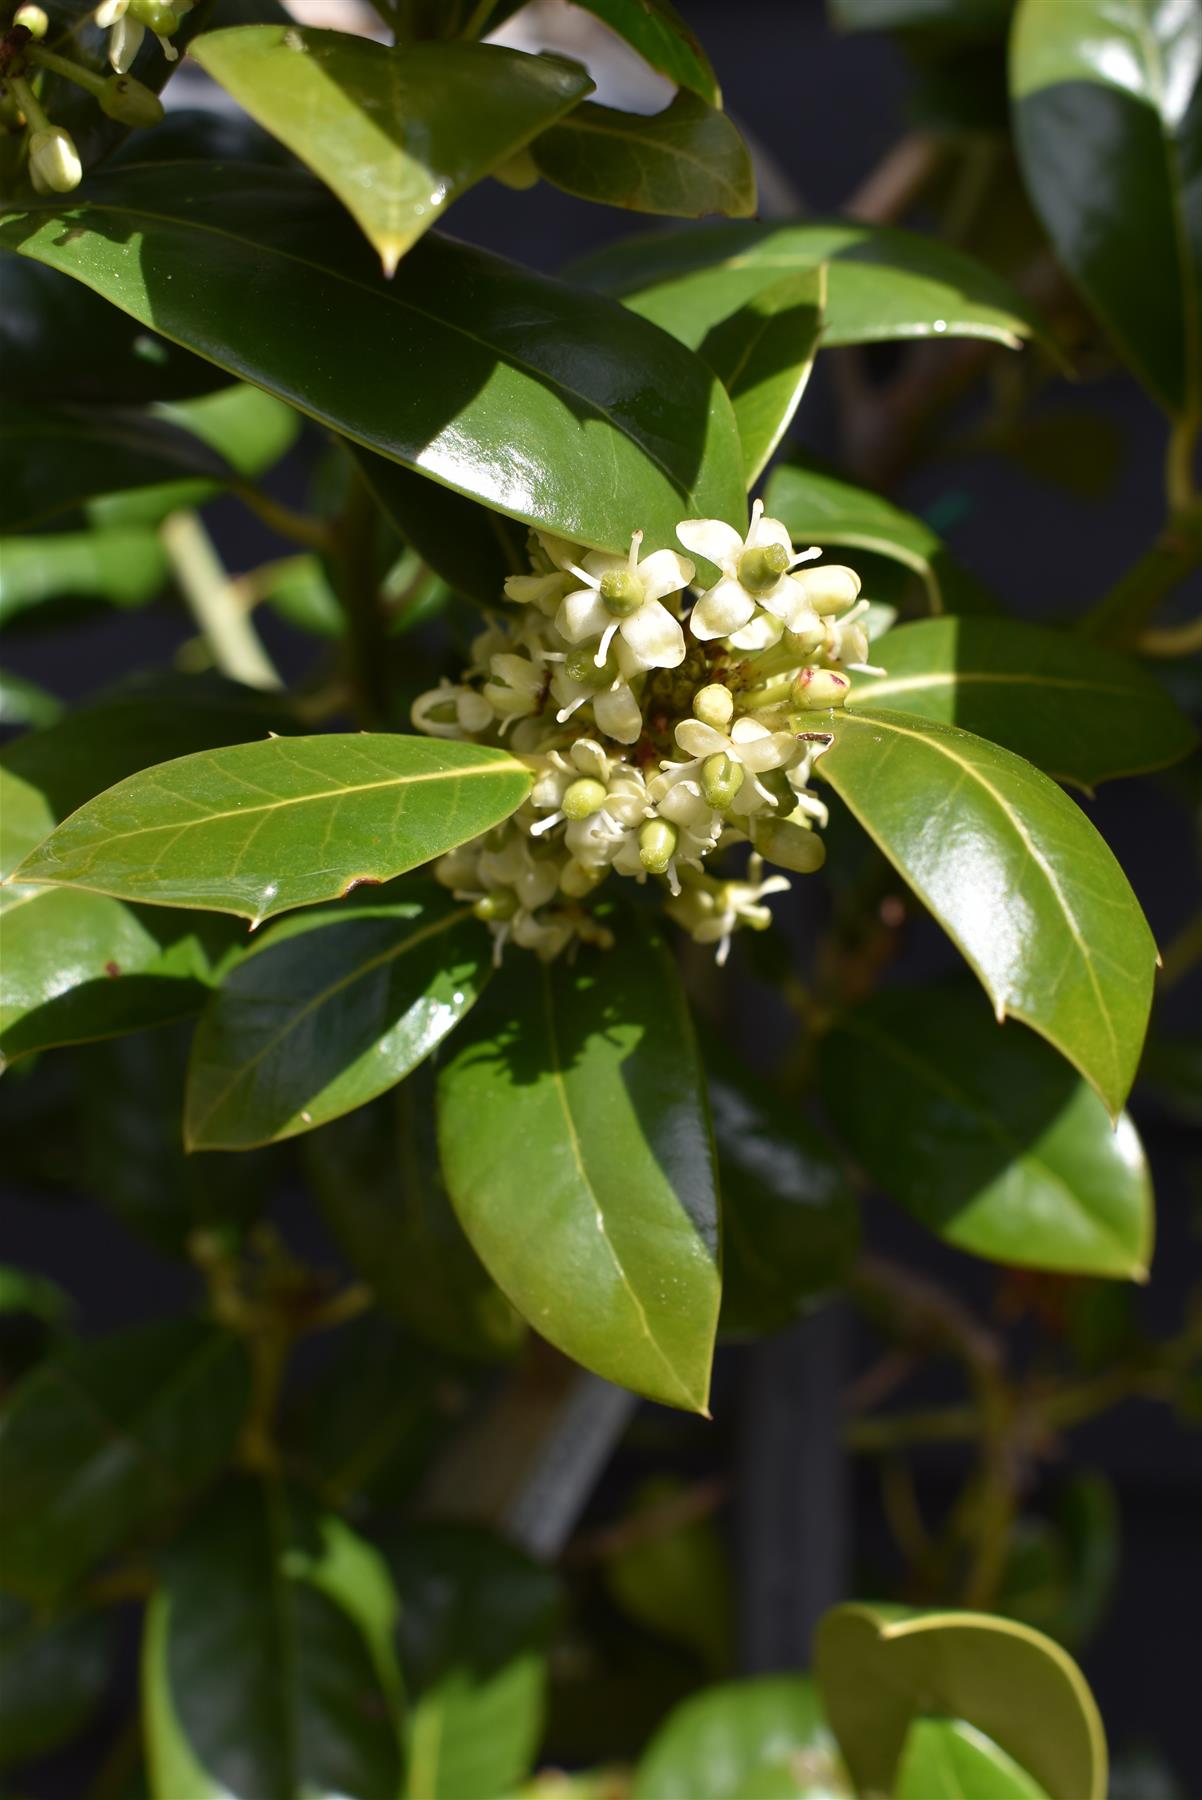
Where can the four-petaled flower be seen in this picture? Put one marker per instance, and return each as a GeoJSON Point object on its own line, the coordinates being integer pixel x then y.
{"type": "Point", "coordinates": [623, 595]}
{"type": "Point", "coordinates": [755, 570]}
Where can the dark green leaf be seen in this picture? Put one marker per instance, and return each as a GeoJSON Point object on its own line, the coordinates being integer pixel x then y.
{"type": "Point", "coordinates": [183, 833]}
{"type": "Point", "coordinates": [52, 458]}
{"type": "Point", "coordinates": [883, 283]}
{"type": "Point", "coordinates": [35, 1313]}
{"type": "Point", "coordinates": [945, 1759]}
{"type": "Point", "coordinates": [1076, 710]}
{"type": "Point", "coordinates": [1108, 122]}
{"type": "Point", "coordinates": [1016, 875]}
{"type": "Point", "coordinates": [725, 1742]}
{"type": "Point", "coordinates": [576, 1147]}
{"type": "Point", "coordinates": [476, 1617]}
{"type": "Point", "coordinates": [53, 1674]}
{"type": "Point", "coordinates": [790, 1224]}
{"type": "Point", "coordinates": [470, 546]}
{"type": "Point", "coordinates": [763, 355]}
{"type": "Point", "coordinates": [967, 17]}
{"type": "Point", "coordinates": [327, 1012]}
{"type": "Point", "coordinates": [686, 161]}
{"type": "Point", "coordinates": [671, 1574]}
{"type": "Point", "coordinates": [124, 568]}
{"type": "Point", "coordinates": [102, 1442]}
{"type": "Point", "coordinates": [987, 1136]}
{"type": "Point", "coordinates": [268, 1668]}
{"type": "Point", "coordinates": [397, 133]}
{"type": "Point", "coordinates": [1060, 1573]}
{"type": "Point", "coordinates": [618, 430]}
{"type": "Point", "coordinates": [656, 30]}
{"type": "Point", "coordinates": [377, 1179]}
{"type": "Point", "coordinates": [880, 1667]}
{"type": "Point", "coordinates": [822, 509]}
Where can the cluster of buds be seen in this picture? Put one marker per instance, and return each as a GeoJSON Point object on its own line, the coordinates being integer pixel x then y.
{"type": "Point", "coordinates": [664, 722]}
{"type": "Point", "coordinates": [25, 60]}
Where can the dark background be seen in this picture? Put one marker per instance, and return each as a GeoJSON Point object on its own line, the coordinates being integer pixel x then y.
{"type": "Point", "coordinates": [804, 1526]}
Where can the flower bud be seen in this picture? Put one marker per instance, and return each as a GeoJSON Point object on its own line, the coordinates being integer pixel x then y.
{"type": "Point", "coordinates": [584, 797]}
{"type": "Point", "coordinates": [622, 592]}
{"type": "Point", "coordinates": [830, 589]}
{"type": "Point", "coordinates": [806, 639]}
{"type": "Point", "coordinates": [762, 567]}
{"type": "Point", "coordinates": [657, 845]}
{"type": "Point", "coordinates": [54, 160]}
{"type": "Point", "coordinates": [576, 881]}
{"type": "Point", "coordinates": [791, 846]}
{"type": "Point", "coordinates": [130, 102]}
{"type": "Point", "coordinates": [519, 171]}
{"type": "Point", "coordinates": [34, 19]}
{"type": "Point", "coordinates": [496, 907]}
{"type": "Point", "coordinates": [816, 689]}
{"type": "Point", "coordinates": [714, 705]}
{"type": "Point", "coordinates": [721, 779]}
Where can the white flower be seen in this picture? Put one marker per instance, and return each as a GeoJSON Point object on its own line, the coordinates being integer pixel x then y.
{"type": "Point", "coordinates": [451, 711]}
{"type": "Point", "coordinates": [517, 686]}
{"type": "Point", "coordinates": [580, 681]}
{"type": "Point", "coordinates": [126, 33]}
{"type": "Point", "coordinates": [753, 569]}
{"type": "Point", "coordinates": [712, 910]}
{"type": "Point", "coordinates": [846, 641]}
{"type": "Point", "coordinates": [622, 594]}
{"type": "Point", "coordinates": [750, 745]}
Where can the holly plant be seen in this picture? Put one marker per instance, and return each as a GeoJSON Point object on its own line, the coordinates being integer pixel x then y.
{"type": "Point", "coordinates": [470, 943]}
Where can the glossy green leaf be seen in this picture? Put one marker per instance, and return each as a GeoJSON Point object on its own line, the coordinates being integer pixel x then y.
{"type": "Point", "coordinates": [53, 458]}
{"type": "Point", "coordinates": [123, 568]}
{"type": "Point", "coordinates": [376, 1178]}
{"type": "Point", "coordinates": [576, 1147]}
{"type": "Point", "coordinates": [662, 38]}
{"type": "Point", "coordinates": [790, 1223]}
{"type": "Point", "coordinates": [238, 830]}
{"type": "Point", "coordinates": [329, 1010]}
{"type": "Point", "coordinates": [102, 1442]}
{"type": "Point", "coordinates": [987, 1136]}
{"type": "Point", "coordinates": [268, 1666]}
{"type": "Point", "coordinates": [53, 1674]}
{"type": "Point", "coordinates": [25, 703]}
{"type": "Point", "coordinates": [880, 1667]}
{"type": "Point", "coordinates": [672, 1576]}
{"type": "Point", "coordinates": [397, 133]}
{"type": "Point", "coordinates": [727, 1742]}
{"type": "Point", "coordinates": [1076, 710]}
{"type": "Point", "coordinates": [882, 282]}
{"type": "Point", "coordinates": [820, 508]}
{"type": "Point", "coordinates": [476, 1618]}
{"type": "Point", "coordinates": [763, 355]}
{"type": "Point", "coordinates": [1016, 875]}
{"type": "Point", "coordinates": [473, 548]}
{"type": "Point", "coordinates": [1108, 124]}
{"type": "Point", "coordinates": [617, 428]}
{"type": "Point", "coordinates": [686, 161]}
{"type": "Point", "coordinates": [945, 1759]}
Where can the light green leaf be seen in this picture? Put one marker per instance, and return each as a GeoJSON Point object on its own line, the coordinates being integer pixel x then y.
{"type": "Point", "coordinates": [125, 568]}
{"type": "Point", "coordinates": [618, 430]}
{"type": "Point", "coordinates": [1016, 875]}
{"type": "Point", "coordinates": [883, 283]}
{"type": "Point", "coordinates": [255, 829]}
{"type": "Point", "coordinates": [727, 1743]}
{"type": "Point", "coordinates": [1108, 124]}
{"type": "Point", "coordinates": [53, 1675]}
{"type": "Point", "coordinates": [24, 703]}
{"type": "Point", "coordinates": [763, 355]}
{"type": "Point", "coordinates": [103, 1441]}
{"type": "Point", "coordinates": [268, 1666]}
{"type": "Point", "coordinates": [1076, 710]}
{"type": "Point", "coordinates": [945, 1759]}
{"type": "Point", "coordinates": [880, 1667]}
{"type": "Point", "coordinates": [476, 1618]}
{"type": "Point", "coordinates": [329, 1010]}
{"type": "Point", "coordinates": [397, 133]}
{"type": "Point", "coordinates": [986, 1136]}
{"type": "Point", "coordinates": [819, 508]}
{"type": "Point", "coordinates": [376, 1178]}
{"type": "Point", "coordinates": [662, 38]}
{"type": "Point", "coordinates": [577, 1153]}
{"type": "Point", "coordinates": [686, 161]}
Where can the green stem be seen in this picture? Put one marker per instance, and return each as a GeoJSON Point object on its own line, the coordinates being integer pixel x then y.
{"type": "Point", "coordinates": [212, 599]}
{"type": "Point", "coordinates": [1180, 488]}
{"type": "Point", "coordinates": [70, 71]}
{"type": "Point", "coordinates": [1120, 614]}
{"type": "Point", "coordinates": [314, 534]}
{"type": "Point", "coordinates": [29, 103]}
{"type": "Point", "coordinates": [1183, 954]}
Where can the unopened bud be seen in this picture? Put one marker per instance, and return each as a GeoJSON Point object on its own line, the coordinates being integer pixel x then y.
{"type": "Point", "coordinates": [585, 797]}
{"type": "Point", "coordinates": [519, 171]}
{"type": "Point", "coordinates": [576, 881]}
{"type": "Point", "coordinates": [496, 907]}
{"type": "Point", "coordinates": [791, 846]}
{"type": "Point", "coordinates": [714, 705]}
{"type": "Point", "coordinates": [721, 779]}
{"type": "Point", "coordinates": [816, 689]}
{"type": "Point", "coordinates": [129, 101]}
{"type": "Point", "coordinates": [622, 592]}
{"type": "Point", "coordinates": [657, 845]}
{"type": "Point", "coordinates": [54, 160]}
{"type": "Point", "coordinates": [830, 589]}
{"type": "Point", "coordinates": [762, 567]}
{"type": "Point", "coordinates": [34, 19]}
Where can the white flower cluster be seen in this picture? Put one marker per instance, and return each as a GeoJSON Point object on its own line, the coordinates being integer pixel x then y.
{"type": "Point", "coordinates": [657, 736]}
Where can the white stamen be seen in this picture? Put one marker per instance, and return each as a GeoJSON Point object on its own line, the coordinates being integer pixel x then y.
{"type": "Point", "coordinates": [607, 638]}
